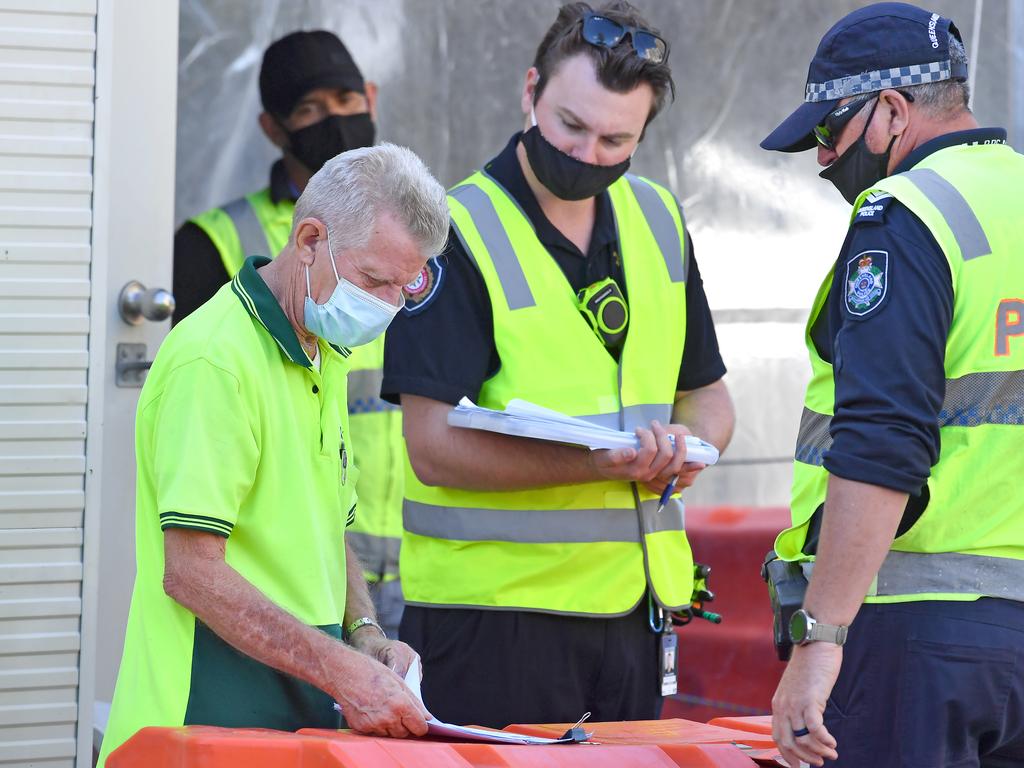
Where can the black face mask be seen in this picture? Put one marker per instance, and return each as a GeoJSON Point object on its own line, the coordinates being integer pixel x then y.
{"type": "Point", "coordinates": [566, 177]}
{"type": "Point", "coordinates": [315, 144]}
{"type": "Point", "coordinates": [858, 168]}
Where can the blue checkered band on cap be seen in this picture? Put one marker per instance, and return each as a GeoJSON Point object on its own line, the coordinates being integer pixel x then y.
{"type": "Point", "coordinates": [879, 80]}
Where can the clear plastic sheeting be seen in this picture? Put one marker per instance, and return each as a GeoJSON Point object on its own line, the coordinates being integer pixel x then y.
{"type": "Point", "coordinates": [450, 72]}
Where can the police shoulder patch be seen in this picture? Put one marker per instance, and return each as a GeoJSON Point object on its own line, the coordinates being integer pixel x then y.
{"type": "Point", "coordinates": [421, 291]}
{"type": "Point", "coordinates": [872, 210]}
{"type": "Point", "coordinates": [867, 280]}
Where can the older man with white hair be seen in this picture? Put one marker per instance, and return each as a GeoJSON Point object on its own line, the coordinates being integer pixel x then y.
{"type": "Point", "coordinates": [248, 610]}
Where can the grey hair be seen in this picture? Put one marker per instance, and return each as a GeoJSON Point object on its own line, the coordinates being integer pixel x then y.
{"type": "Point", "coordinates": [946, 98]}
{"type": "Point", "coordinates": [353, 188]}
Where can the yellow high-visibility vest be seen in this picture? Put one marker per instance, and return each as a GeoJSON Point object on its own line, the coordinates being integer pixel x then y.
{"type": "Point", "coordinates": [587, 549]}
{"type": "Point", "coordinates": [969, 541]}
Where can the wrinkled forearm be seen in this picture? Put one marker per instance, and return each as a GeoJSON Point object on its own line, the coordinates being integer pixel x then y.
{"type": "Point", "coordinates": [245, 618]}
{"type": "Point", "coordinates": [358, 602]}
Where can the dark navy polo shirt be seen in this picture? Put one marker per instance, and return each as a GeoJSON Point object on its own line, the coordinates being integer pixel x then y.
{"type": "Point", "coordinates": [444, 348]}
{"type": "Point", "coordinates": [888, 361]}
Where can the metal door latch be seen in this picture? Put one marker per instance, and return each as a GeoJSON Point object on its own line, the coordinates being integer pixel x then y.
{"type": "Point", "coordinates": [131, 366]}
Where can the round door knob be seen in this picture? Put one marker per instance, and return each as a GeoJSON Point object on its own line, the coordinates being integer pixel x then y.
{"type": "Point", "coordinates": [137, 303]}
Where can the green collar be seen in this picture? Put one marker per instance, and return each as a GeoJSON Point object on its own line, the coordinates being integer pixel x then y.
{"type": "Point", "coordinates": [262, 305]}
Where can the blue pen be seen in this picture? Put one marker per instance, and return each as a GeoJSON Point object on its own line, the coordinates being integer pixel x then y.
{"type": "Point", "coordinates": [667, 493]}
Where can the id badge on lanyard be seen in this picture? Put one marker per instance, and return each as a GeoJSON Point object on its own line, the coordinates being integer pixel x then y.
{"type": "Point", "coordinates": [668, 648]}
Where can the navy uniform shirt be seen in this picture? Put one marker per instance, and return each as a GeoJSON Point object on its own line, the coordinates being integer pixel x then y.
{"type": "Point", "coordinates": [442, 346]}
{"type": "Point", "coordinates": [888, 351]}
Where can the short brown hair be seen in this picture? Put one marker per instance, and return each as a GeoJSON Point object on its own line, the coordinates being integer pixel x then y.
{"type": "Point", "coordinates": [618, 69]}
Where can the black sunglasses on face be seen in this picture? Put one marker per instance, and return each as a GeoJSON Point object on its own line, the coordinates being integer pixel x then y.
{"type": "Point", "coordinates": [827, 133]}
{"type": "Point", "coordinates": [602, 31]}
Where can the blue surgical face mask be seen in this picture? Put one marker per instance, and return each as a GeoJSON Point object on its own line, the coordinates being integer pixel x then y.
{"type": "Point", "coordinates": [351, 316]}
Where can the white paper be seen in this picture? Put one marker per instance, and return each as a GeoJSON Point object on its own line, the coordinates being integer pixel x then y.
{"type": "Point", "coordinates": [436, 728]}
{"type": "Point", "coordinates": [524, 419]}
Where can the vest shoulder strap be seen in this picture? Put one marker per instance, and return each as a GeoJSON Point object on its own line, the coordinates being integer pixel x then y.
{"type": "Point", "coordinates": [653, 200]}
{"type": "Point", "coordinates": [476, 199]}
{"type": "Point", "coordinates": [247, 224]}
{"type": "Point", "coordinates": [931, 196]}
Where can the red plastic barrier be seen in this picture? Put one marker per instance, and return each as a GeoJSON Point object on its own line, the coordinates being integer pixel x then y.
{"type": "Point", "coordinates": [730, 669]}
{"type": "Point", "coordinates": [671, 744]}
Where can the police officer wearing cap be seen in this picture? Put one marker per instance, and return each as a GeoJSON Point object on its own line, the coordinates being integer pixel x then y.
{"type": "Point", "coordinates": [536, 574]}
{"type": "Point", "coordinates": [909, 648]}
{"type": "Point", "coordinates": [316, 105]}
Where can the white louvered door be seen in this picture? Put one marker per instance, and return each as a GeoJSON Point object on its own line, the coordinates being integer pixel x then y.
{"type": "Point", "coordinates": [87, 124]}
{"type": "Point", "coordinates": [47, 76]}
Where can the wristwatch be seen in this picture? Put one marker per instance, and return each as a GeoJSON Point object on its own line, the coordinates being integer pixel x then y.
{"type": "Point", "coordinates": [365, 621]}
{"type": "Point", "coordinates": [803, 629]}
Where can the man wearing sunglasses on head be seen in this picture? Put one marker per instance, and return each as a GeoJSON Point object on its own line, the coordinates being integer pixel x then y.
{"type": "Point", "coordinates": [535, 574]}
{"type": "Point", "coordinates": [909, 647]}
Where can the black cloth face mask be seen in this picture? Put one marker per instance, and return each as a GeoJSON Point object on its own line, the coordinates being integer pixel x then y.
{"type": "Point", "coordinates": [858, 168]}
{"type": "Point", "coordinates": [566, 177]}
{"type": "Point", "coordinates": [315, 144]}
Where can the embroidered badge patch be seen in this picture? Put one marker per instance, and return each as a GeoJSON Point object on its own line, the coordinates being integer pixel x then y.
{"type": "Point", "coordinates": [421, 291]}
{"type": "Point", "coordinates": [872, 210]}
{"type": "Point", "coordinates": [866, 281]}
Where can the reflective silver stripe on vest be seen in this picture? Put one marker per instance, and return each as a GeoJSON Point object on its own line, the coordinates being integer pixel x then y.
{"type": "Point", "coordinates": [377, 554]}
{"type": "Point", "coordinates": [671, 518]}
{"type": "Point", "coordinates": [813, 438]}
{"type": "Point", "coordinates": [990, 397]}
{"type": "Point", "coordinates": [250, 231]}
{"type": "Point", "coordinates": [495, 238]}
{"type": "Point", "coordinates": [364, 392]}
{"type": "Point", "coordinates": [993, 397]}
{"type": "Point", "coordinates": [917, 573]}
{"type": "Point", "coordinates": [536, 526]}
{"type": "Point", "coordinates": [966, 228]}
{"type": "Point", "coordinates": [660, 220]}
{"type": "Point", "coordinates": [642, 415]}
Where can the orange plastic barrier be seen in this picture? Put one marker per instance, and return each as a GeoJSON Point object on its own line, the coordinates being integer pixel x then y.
{"type": "Point", "coordinates": [665, 743]}
{"type": "Point", "coordinates": [661, 732]}
{"type": "Point", "coordinates": [730, 669]}
{"type": "Point", "coordinates": [761, 725]}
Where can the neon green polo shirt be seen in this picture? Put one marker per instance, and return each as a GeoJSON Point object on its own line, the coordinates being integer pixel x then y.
{"type": "Point", "coordinates": [239, 435]}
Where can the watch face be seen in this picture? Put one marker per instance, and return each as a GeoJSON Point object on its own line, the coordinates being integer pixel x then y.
{"type": "Point", "coordinates": [798, 627]}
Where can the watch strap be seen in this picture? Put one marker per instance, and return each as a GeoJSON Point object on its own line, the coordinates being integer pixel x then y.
{"type": "Point", "coordinates": [364, 621]}
{"type": "Point", "coordinates": [827, 633]}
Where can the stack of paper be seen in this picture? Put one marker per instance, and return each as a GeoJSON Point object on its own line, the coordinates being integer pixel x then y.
{"type": "Point", "coordinates": [436, 728]}
{"type": "Point", "coordinates": [523, 419]}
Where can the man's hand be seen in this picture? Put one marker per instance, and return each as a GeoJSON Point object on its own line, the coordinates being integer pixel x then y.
{"type": "Point", "coordinates": [656, 461]}
{"type": "Point", "coordinates": [687, 474]}
{"type": "Point", "coordinates": [393, 654]}
{"type": "Point", "coordinates": [799, 702]}
{"type": "Point", "coordinates": [655, 457]}
{"type": "Point", "coordinates": [375, 701]}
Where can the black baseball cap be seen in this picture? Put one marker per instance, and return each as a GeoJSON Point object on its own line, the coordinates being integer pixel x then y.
{"type": "Point", "coordinates": [302, 61]}
{"type": "Point", "coordinates": [885, 45]}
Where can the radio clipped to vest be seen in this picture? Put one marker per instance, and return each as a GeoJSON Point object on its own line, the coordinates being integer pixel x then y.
{"type": "Point", "coordinates": [604, 307]}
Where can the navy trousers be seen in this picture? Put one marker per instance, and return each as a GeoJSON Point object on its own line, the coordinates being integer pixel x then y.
{"type": "Point", "coordinates": [930, 685]}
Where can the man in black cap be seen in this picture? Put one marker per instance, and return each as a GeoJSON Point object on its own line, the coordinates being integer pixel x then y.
{"type": "Point", "coordinates": [909, 647]}
{"type": "Point", "coordinates": [316, 105]}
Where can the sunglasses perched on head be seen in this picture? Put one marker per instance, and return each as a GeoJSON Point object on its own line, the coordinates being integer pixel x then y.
{"type": "Point", "coordinates": [829, 130]}
{"type": "Point", "coordinates": [602, 31]}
